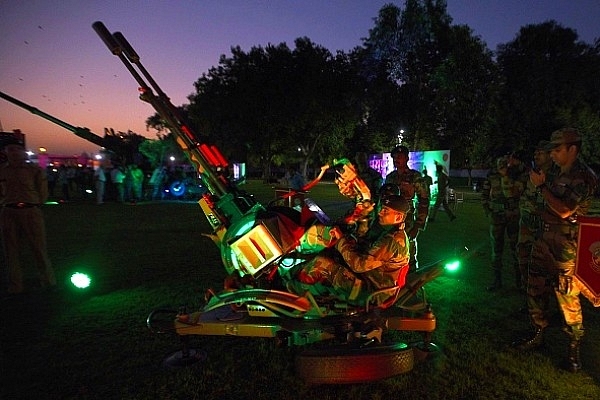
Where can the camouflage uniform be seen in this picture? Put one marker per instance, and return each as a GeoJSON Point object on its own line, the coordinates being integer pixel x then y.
{"type": "Point", "coordinates": [500, 201]}
{"type": "Point", "coordinates": [412, 185]}
{"type": "Point", "coordinates": [553, 253]}
{"type": "Point", "coordinates": [567, 190]}
{"type": "Point", "coordinates": [531, 205]}
{"type": "Point", "coordinates": [360, 271]}
{"type": "Point", "coordinates": [357, 269]}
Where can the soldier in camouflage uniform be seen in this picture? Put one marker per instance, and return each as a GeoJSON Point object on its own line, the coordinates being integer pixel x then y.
{"type": "Point", "coordinates": [411, 185]}
{"type": "Point", "coordinates": [358, 269]}
{"type": "Point", "coordinates": [567, 190]}
{"type": "Point", "coordinates": [530, 208]}
{"type": "Point", "coordinates": [500, 201]}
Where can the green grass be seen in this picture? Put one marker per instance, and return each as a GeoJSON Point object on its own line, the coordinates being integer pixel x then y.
{"type": "Point", "coordinates": [95, 345]}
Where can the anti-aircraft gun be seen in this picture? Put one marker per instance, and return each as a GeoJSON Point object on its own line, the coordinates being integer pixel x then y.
{"type": "Point", "coordinates": [261, 246]}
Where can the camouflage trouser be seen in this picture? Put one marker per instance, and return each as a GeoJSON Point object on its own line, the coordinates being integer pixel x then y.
{"type": "Point", "coordinates": [528, 228]}
{"type": "Point", "coordinates": [412, 243]}
{"type": "Point", "coordinates": [504, 225]}
{"type": "Point", "coordinates": [325, 276]}
{"type": "Point", "coordinates": [552, 269]}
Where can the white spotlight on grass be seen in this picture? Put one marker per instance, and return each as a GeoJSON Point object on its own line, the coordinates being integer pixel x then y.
{"type": "Point", "coordinates": [80, 280]}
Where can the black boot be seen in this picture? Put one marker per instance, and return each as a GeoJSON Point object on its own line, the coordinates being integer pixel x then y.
{"type": "Point", "coordinates": [531, 342]}
{"type": "Point", "coordinates": [574, 360]}
{"type": "Point", "coordinates": [497, 283]}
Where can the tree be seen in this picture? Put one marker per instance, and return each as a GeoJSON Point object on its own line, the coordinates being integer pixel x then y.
{"type": "Point", "coordinates": [124, 146]}
{"type": "Point", "coordinates": [464, 85]}
{"type": "Point", "coordinates": [550, 80]}
{"type": "Point", "coordinates": [157, 150]}
{"type": "Point", "coordinates": [444, 76]}
{"type": "Point", "coordinates": [273, 104]}
{"type": "Point", "coordinates": [587, 121]}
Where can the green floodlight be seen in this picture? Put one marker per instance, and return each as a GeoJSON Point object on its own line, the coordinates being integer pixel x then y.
{"type": "Point", "coordinates": [80, 280]}
{"type": "Point", "coordinates": [452, 266]}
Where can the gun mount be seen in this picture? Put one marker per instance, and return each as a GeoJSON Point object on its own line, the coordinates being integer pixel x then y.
{"type": "Point", "coordinates": [83, 133]}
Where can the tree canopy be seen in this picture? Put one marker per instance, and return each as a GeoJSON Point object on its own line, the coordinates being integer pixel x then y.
{"type": "Point", "coordinates": [415, 71]}
{"type": "Point", "coordinates": [550, 80]}
{"type": "Point", "coordinates": [274, 103]}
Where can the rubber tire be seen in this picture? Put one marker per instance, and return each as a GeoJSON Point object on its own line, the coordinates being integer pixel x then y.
{"type": "Point", "coordinates": [344, 366]}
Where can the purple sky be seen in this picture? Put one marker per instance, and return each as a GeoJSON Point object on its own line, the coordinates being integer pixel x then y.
{"type": "Point", "coordinates": [51, 58]}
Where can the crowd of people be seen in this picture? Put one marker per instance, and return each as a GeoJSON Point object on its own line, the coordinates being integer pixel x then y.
{"type": "Point", "coordinates": [117, 183]}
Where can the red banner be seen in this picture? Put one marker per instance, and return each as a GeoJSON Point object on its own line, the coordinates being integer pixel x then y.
{"type": "Point", "coordinates": [587, 267]}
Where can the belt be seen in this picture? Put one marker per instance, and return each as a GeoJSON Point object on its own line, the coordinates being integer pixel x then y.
{"type": "Point", "coordinates": [530, 219]}
{"type": "Point", "coordinates": [570, 230]}
{"type": "Point", "coordinates": [21, 205]}
{"type": "Point", "coordinates": [511, 204]}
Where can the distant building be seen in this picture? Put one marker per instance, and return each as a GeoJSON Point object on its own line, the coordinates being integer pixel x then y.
{"type": "Point", "coordinates": [15, 134]}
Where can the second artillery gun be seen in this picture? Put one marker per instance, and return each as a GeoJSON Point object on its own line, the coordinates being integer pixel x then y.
{"type": "Point", "coordinates": [83, 133]}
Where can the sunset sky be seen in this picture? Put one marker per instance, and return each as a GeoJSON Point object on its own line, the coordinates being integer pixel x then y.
{"type": "Point", "coordinates": [51, 58]}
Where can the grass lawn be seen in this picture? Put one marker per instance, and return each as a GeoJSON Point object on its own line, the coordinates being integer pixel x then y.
{"type": "Point", "coordinates": [95, 344]}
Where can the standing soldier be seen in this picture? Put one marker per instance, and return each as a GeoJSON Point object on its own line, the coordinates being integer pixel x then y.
{"type": "Point", "coordinates": [23, 189]}
{"type": "Point", "coordinates": [441, 200]}
{"type": "Point", "coordinates": [500, 200]}
{"type": "Point", "coordinates": [530, 208]}
{"type": "Point", "coordinates": [567, 191]}
{"type": "Point", "coordinates": [411, 185]}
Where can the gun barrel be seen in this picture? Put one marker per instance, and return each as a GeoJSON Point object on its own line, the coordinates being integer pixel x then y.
{"type": "Point", "coordinates": [130, 53]}
{"type": "Point", "coordinates": [83, 133]}
{"type": "Point", "coordinates": [187, 140]}
{"type": "Point", "coordinates": [107, 38]}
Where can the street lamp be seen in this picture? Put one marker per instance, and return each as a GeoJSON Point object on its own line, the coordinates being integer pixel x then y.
{"type": "Point", "coordinates": [400, 136]}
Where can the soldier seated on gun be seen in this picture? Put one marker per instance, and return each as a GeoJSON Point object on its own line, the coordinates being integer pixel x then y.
{"type": "Point", "coordinates": [352, 271]}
